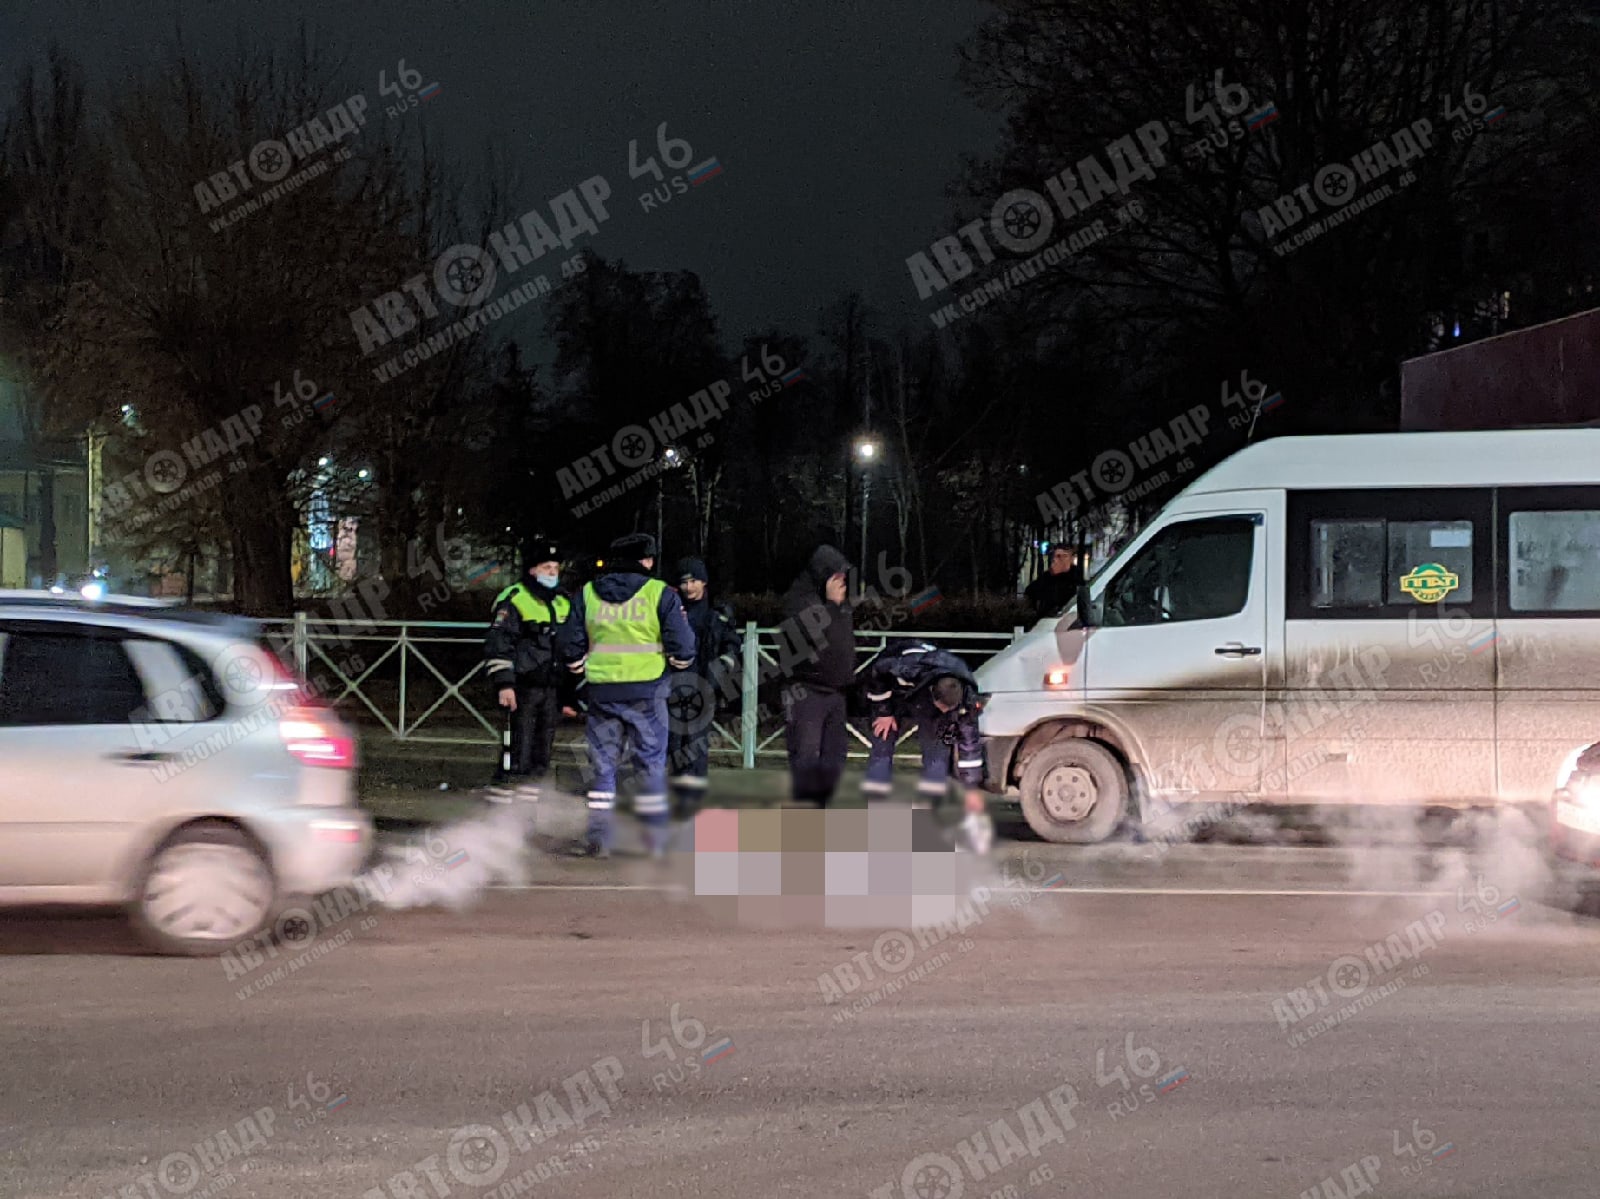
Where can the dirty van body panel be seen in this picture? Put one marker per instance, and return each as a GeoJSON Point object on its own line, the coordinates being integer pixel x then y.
{"type": "Point", "coordinates": [1182, 647]}
{"type": "Point", "coordinates": [1548, 703]}
{"type": "Point", "coordinates": [1548, 648]}
{"type": "Point", "coordinates": [1389, 696]}
{"type": "Point", "coordinates": [1371, 719]}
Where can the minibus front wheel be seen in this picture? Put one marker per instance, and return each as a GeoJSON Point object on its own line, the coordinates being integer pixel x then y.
{"type": "Point", "coordinates": [1074, 791]}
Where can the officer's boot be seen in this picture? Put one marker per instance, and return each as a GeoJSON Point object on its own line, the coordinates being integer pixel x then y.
{"type": "Point", "coordinates": [686, 808]}
{"type": "Point", "coordinates": [657, 834]}
{"type": "Point", "coordinates": [598, 837]}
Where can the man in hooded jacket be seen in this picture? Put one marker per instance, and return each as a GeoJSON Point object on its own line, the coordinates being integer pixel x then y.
{"type": "Point", "coordinates": [626, 629]}
{"type": "Point", "coordinates": [817, 610]}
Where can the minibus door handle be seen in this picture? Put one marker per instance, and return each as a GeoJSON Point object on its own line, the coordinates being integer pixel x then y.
{"type": "Point", "coordinates": [1235, 649]}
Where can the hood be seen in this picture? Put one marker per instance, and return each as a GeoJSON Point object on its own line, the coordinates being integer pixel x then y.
{"type": "Point", "coordinates": [616, 587]}
{"type": "Point", "coordinates": [825, 563]}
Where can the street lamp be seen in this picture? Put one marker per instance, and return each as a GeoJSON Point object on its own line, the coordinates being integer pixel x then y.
{"type": "Point", "coordinates": [867, 449]}
{"type": "Point", "coordinates": [671, 458]}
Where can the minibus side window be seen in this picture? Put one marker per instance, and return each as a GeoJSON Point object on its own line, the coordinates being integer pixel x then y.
{"type": "Point", "coordinates": [1347, 563]}
{"type": "Point", "coordinates": [1555, 561]}
{"type": "Point", "coordinates": [1193, 570]}
{"type": "Point", "coordinates": [1362, 563]}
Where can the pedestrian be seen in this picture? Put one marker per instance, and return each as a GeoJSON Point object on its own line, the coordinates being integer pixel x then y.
{"type": "Point", "coordinates": [626, 629]}
{"type": "Point", "coordinates": [817, 612]}
{"type": "Point", "coordinates": [520, 660]}
{"type": "Point", "coordinates": [916, 681]}
{"type": "Point", "coordinates": [692, 703]}
{"type": "Point", "coordinates": [1053, 593]}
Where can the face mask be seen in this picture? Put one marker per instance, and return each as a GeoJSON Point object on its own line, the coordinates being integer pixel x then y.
{"type": "Point", "coordinates": [547, 580]}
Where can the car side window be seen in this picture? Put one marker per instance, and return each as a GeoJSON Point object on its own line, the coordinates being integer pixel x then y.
{"type": "Point", "coordinates": [1193, 570]}
{"type": "Point", "coordinates": [181, 687]}
{"type": "Point", "coordinates": [67, 677]}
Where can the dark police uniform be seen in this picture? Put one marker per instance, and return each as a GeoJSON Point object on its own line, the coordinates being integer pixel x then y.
{"type": "Point", "coordinates": [692, 702]}
{"type": "Point", "coordinates": [899, 684]}
{"type": "Point", "coordinates": [519, 653]}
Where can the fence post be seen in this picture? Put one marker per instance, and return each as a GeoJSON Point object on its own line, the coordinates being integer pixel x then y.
{"type": "Point", "coordinates": [302, 644]}
{"type": "Point", "coordinates": [749, 722]}
{"type": "Point", "coordinates": [1016, 633]}
{"type": "Point", "coordinates": [404, 645]}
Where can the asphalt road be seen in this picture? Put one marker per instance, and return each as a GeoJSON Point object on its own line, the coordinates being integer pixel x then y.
{"type": "Point", "coordinates": [1196, 1031]}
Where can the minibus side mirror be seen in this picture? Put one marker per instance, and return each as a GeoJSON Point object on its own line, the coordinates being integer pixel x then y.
{"type": "Point", "coordinates": [1085, 608]}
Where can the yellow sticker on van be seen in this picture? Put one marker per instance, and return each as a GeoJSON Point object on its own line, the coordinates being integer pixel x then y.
{"type": "Point", "coordinates": [1429, 583]}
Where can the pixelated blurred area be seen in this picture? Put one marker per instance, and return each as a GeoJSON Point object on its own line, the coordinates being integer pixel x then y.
{"type": "Point", "coordinates": [850, 868]}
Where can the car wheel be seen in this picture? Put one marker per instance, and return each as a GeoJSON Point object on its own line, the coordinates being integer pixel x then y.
{"type": "Point", "coordinates": [206, 889]}
{"type": "Point", "coordinates": [1074, 792]}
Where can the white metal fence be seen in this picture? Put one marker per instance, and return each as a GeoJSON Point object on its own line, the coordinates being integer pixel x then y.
{"type": "Point", "coordinates": [413, 678]}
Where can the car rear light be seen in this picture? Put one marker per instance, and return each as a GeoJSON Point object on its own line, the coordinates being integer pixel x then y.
{"type": "Point", "coordinates": [285, 683]}
{"type": "Point", "coordinates": [317, 738]}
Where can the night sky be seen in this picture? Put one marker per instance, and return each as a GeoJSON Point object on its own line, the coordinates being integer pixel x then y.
{"type": "Point", "coordinates": [838, 123]}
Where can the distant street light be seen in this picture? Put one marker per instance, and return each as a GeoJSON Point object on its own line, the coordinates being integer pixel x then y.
{"type": "Point", "coordinates": [866, 453]}
{"type": "Point", "coordinates": [671, 458]}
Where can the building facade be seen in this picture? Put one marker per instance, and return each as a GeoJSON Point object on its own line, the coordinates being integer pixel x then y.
{"type": "Point", "coordinates": [44, 497]}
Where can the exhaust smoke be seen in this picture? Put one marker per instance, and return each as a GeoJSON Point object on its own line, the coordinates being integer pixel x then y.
{"type": "Point", "coordinates": [452, 866]}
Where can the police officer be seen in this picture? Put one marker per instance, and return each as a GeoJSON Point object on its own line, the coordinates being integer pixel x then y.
{"type": "Point", "coordinates": [626, 628]}
{"type": "Point", "coordinates": [692, 705]}
{"type": "Point", "coordinates": [520, 659]}
{"type": "Point", "coordinates": [918, 681]}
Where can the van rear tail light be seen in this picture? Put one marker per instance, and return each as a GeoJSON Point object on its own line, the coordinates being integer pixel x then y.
{"type": "Point", "coordinates": [317, 738]}
{"type": "Point", "coordinates": [1057, 678]}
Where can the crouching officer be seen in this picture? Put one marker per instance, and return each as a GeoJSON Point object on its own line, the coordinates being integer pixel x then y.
{"type": "Point", "coordinates": [625, 629]}
{"type": "Point", "coordinates": [692, 702]}
{"type": "Point", "coordinates": [520, 659]}
{"type": "Point", "coordinates": [918, 681]}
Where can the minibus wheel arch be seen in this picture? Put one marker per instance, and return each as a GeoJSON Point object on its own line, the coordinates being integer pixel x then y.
{"type": "Point", "coordinates": [1056, 730]}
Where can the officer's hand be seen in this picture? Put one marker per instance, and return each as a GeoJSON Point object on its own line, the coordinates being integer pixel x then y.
{"type": "Point", "coordinates": [570, 713]}
{"type": "Point", "coordinates": [508, 698]}
{"type": "Point", "coordinates": [883, 726]}
{"type": "Point", "coordinates": [680, 664]}
{"type": "Point", "coordinates": [975, 801]}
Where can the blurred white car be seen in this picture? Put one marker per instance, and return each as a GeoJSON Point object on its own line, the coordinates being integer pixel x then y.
{"type": "Point", "coordinates": [162, 759]}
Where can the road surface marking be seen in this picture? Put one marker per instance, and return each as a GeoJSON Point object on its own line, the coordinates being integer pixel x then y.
{"type": "Point", "coordinates": [1009, 891]}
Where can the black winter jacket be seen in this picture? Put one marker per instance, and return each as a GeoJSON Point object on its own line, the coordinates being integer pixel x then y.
{"type": "Point", "coordinates": [715, 634]}
{"type": "Point", "coordinates": [825, 628]}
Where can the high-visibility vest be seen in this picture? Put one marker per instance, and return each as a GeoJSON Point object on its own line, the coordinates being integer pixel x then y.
{"type": "Point", "coordinates": [531, 610]}
{"type": "Point", "coordinates": [624, 639]}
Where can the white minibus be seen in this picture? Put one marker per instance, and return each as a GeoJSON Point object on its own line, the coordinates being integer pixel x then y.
{"type": "Point", "coordinates": [1407, 619]}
